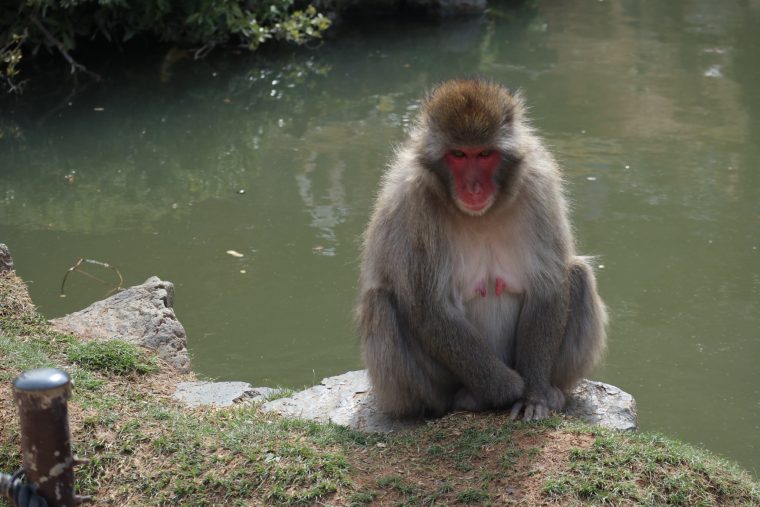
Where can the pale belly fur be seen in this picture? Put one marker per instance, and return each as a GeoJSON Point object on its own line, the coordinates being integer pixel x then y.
{"type": "Point", "coordinates": [496, 320]}
{"type": "Point", "coordinates": [488, 283]}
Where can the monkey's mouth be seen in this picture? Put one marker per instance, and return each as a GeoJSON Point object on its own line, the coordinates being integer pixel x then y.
{"type": "Point", "coordinates": [474, 204]}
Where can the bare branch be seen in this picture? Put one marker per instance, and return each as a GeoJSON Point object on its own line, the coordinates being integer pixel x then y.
{"type": "Point", "coordinates": [75, 66]}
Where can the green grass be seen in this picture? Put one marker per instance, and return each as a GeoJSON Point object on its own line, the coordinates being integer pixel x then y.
{"type": "Point", "coordinates": [362, 498]}
{"type": "Point", "coordinates": [23, 355]}
{"type": "Point", "coordinates": [113, 357]}
{"type": "Point", "coordinates": [209, 458]}
{"type": "Point", "coordinates": [473, 496]}
{"type": "Point", "coordinates": [470, 445]}
{"type": "Point", "coordinates": [649, 469]}
{"type": "Point", "coordinates": [397, 483]}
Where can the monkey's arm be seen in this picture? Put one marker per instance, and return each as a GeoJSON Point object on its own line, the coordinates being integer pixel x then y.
{"type": "Point", "coordinates": [542, 320]}
{"type": "Point", "coordinates": [415, 361]}
{"type": "Point", "coordinates": [539, 337]}
{"type": "Point", "coordinates": [445, 334]}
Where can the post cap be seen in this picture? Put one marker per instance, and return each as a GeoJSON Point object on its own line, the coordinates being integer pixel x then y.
{"type": "Point", "coordinates": [41, 379]}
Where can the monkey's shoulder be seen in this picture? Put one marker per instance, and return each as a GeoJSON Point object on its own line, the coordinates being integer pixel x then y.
{"type": "Point", "coordinates": [408, 209]}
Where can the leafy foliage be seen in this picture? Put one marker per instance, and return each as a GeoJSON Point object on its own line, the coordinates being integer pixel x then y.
{"type": "Point", "coordinates": [62, 26]}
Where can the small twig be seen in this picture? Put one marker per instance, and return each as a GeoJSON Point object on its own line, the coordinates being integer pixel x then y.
{"type": "Point", "coordinates": [81, 261]}
{"type": "Point", "coordinates": [202, 51]}
{"type": "Point", "coordinates": [12, 86]}
{"type": "Point", "coordinates": [75, 66]}
{"type": "Point", "coordinates": [91, 276]}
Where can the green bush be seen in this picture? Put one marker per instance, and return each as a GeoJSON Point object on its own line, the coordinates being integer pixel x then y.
{"type": "Point", "coordinates": [60, 26]}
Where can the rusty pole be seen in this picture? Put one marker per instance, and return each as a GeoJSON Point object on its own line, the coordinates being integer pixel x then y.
{"type": "Point", "coordinates": [42, 396]}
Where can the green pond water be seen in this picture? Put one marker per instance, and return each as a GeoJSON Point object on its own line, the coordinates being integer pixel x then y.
{"type": "Point", "coordinates": [653, 109]}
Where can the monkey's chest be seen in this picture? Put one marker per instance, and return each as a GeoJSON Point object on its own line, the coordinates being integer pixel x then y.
{"type": "Point", "coordinates": [486, 267]}
{"type": "Point", "coordinates": [488, 283]}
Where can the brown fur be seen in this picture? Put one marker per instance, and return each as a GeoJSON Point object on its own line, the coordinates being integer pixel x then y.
{"type": "Point", "coordinates": [467, 111]}
{"type": "Point", "coordinates": [429, 345]}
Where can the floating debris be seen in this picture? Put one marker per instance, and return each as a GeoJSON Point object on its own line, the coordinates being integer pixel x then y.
{"type": "Point", "coordinates": [234, 253]}
{"type": "Point", "coordinates": [76, 268]}
{"type": "Point", "coordinates": [714, 71]}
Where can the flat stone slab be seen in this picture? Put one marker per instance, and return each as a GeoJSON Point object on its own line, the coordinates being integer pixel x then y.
{"type": "Point", "coordinates": [142, 315]}
{"type": "Point", "coordinates": [220, 394]}
{"type": "Point", "coordinates": [347, 400]}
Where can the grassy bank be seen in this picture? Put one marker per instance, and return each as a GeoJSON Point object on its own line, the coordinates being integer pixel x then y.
{"type": "Point", "coordinates": [147, 450]}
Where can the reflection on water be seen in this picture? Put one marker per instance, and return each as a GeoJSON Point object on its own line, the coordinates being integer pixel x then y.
{"type": "Point", "coordinates": [327, 207]}
{"type": "Point", "coordinates": [652, 108]}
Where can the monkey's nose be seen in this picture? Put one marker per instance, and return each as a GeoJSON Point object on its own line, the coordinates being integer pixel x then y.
{"type": "Point", "coordinates": [474, 187]}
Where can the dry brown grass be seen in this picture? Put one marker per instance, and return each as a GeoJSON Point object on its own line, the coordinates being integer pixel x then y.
{"type": "Point", "coordinates": [14, 297]}
{"type": "Point", "coordinates": [466, 458]}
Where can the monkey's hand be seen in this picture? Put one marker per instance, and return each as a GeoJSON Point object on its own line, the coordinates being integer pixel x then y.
{"type": "Point", "coordinates": [502, 394]}
{"type": "Point", "coordinates": [537, 405]}
{"type": "Point", "coordinates": [509, 387]}
{"type": "Point", "coordinates": [464, 400]}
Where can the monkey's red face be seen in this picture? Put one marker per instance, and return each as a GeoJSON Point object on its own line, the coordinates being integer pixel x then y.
{"type": "Point", "coordinates": [473, 171]}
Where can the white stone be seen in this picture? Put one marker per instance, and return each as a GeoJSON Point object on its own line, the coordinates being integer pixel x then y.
{"type": "Point", "coordinates": [220, 394]}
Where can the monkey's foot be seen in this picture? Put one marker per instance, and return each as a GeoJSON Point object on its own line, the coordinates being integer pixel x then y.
{"type": "Point", "coordinates": [538, 407]}
{"type": "Point", "coordinates": [533, 410]}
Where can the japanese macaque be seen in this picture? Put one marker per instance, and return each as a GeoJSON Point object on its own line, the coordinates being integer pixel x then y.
{"type": "Point", "coordinates": [471, 295]}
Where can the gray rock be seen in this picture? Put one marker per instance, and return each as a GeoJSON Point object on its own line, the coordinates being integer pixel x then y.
{"type": "Point", "coordinates": [345, 400]}
{"type": "Point", "coordinates": [142, 315]}
{"type": "Point", "coordinates": [604, 405]}
{"type": "Point", "coordinates": [6, 262]}
{"type": "Point", "coordinates": [220, 394]}
{"type": "Point", "coordinates": [348, 401]}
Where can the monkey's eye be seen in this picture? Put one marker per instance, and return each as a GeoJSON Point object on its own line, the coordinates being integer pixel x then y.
{"type": "Point", "coordinates": [485, 153]}
{"type": "Point", "coordinates": [457, 153]}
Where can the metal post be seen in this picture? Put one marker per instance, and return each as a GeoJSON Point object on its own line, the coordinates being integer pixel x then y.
{"type": "Point", "coordinates": [42, 396]}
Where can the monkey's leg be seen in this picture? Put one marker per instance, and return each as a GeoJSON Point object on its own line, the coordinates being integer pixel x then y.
{"type": "Point", "coordinates": [581, 342]}
{"type": "Point", "coordinates": [585, 337]}
{"type": "Point", "coordinates": [405, 381]}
